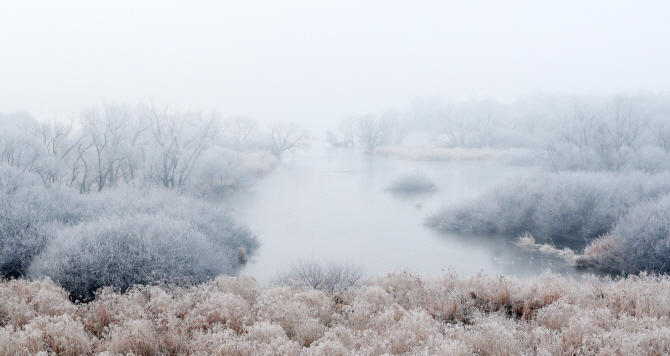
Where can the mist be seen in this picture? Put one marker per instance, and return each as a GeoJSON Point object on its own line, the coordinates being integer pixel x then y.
{"type": "Point", "coordinates": [335, 178]}
{"type": "Point", "coordinates": [318, 63]}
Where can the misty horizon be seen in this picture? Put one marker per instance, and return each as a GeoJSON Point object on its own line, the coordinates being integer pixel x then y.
{"type": "Point", "coordinates": [318, 63]}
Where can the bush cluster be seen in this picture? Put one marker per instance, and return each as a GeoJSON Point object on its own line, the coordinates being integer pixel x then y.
{"type": "Point", "coordinates": [119, 237]}
{"type": "Point", "coordinates": [578, 205]}
{"type": "Point", "coordinates": [640, 241]}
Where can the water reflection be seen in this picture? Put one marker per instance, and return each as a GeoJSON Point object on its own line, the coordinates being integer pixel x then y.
{"type": "Point", "coordinates": [330, 204]}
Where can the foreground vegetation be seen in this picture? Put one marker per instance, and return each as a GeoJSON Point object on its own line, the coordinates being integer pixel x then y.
{"type": "Point", "coordinates": [398, 313]}
{"type": "Point", "coordinates": [118, 237]}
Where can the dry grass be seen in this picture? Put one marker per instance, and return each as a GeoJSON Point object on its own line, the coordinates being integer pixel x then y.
{"type": "Point", "coordinates": [397, 313]}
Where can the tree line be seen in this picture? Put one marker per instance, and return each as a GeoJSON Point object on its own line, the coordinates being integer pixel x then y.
{"type": "Point", "coordinates": [145, 145]}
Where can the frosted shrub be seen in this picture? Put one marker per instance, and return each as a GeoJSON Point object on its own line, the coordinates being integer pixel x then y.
{"type": "Point", "coordinates": [122, 252]}
{"type": "Point", "coordinates": [567, 205]}
{"type": "Point", "coordinates": [26, 207]}
{"type": "Point", "coordinates": [331, 278]}
{"type": "Point", "coordinates": [34, 219]}
{"type": "Point", "coordinates": [245, 286]}
{"type": "Point", "coordinates": [603, 253]}
{"type": "Point", "coordinates": [211, 220]}
{"type": "Point", "coordinates": [412, 183]}
{"type": "Point", "coordinates": [640, 241]}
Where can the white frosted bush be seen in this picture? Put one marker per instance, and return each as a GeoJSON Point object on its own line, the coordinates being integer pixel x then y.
{"type": "Point", "coordinates": [643, 236]}
{"type": "Point", "coordinates": [640, 241]}
{"type": "Point", "coordinates": [212, 220]}
{"type": "Point", "coordinates": [567, 205]}
{"type": "Point", "coordinates": [34, 218]}
{"type": "Point", "coordinates": [26, 207]}
{"type": "Point", "coordinates": [124, 251]}
{"type": "Point", "coordinates": [331, 277]}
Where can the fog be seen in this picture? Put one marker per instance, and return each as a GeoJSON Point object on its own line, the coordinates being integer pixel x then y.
{"type": "Point", "coordinates": [316, 63]}
{"type": "Point", "coordinates": [334, 177]}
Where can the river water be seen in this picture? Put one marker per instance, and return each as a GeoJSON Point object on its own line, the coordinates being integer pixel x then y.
{"type": "Point", "coordinates": [329, 204]}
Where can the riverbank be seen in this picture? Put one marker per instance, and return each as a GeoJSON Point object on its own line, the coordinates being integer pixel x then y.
{"type": "Point", "coordinates": [395, 313]}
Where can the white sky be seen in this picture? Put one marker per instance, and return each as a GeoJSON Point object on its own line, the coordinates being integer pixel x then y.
{"type": "Point", "coordinates": [321, 61]}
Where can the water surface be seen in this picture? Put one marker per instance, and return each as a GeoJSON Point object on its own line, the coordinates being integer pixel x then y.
{"type": "Point", "coordinates": [330, 204]}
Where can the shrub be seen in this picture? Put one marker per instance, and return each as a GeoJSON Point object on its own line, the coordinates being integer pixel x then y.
{"type": "Point", "coordinates": [124, 251]}
{"type": "Point", "coordinates": [640, 241]}
{"type": "Point", "coordinates": [330, 278]}
{"type": "Point", "coordinates": [26, 208]}
{"type": "Point", "coordinates": [412, 183]}
{"type": "Point", "coordinates": [33, 216]}
{"type": "Point", "coordinates": [212, 220]}
{"type": "Point", "coordinates": [567, 205]}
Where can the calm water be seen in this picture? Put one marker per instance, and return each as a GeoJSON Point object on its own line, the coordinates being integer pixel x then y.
{"type": "Point", "coordinates": [330, 204]}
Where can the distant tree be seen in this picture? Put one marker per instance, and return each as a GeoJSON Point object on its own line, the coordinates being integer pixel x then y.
{"type": "Point", "coordinates": [345, 135]}
{"type": "Point", "coordinates": [371, 131]}
{"type": "Point", "coordinates": [368, 131]}
{"type": "Point", "coordinates": [177, 141]}
{"type": "Point", "coordinates": [288, 137]}
{"type": "Point", "coordinates": [663, 136]}
{"type": "Point", "coordinates": [240, 133]}
{"type": "Point", "coordinates": [458, 125]}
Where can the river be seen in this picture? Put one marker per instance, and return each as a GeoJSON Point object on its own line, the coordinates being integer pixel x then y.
{"type": "Point", "coordinates": [330, 204]}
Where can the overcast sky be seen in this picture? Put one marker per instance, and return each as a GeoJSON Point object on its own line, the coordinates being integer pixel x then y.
{"type": "Point", "coordinates": [313, 61]}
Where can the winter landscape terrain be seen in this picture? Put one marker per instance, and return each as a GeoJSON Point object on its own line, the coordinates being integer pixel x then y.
{"type": "Point", "coordinates": [334, 178]}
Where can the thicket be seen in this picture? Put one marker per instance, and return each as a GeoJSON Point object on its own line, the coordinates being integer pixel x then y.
{"type": "Point", "coordinates": [640, 241]}
{"type": "Point", "coordinates": [397, 313]}
{"type": "Point", "coordinates": [116, 238]}
{"type": "Point", "coordinates": [570, 205]}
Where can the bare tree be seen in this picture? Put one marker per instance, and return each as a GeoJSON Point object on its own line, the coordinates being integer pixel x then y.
{"type": "Point", "coordinates": [107, 132]}
{"type": "Point", "coordinates": [288, 137]}
{"type": "Point", "coordinates": [625, 125]}
{"type": "Point", "coordinates": [662, 134]}
{"type": "Point", "coordinates": [177, 140]}
{"type": "Point", "coordinates": [583, 127]}
{"type": "Point", "coordinates": [345, 135]}
{"type": "Point", "coordinates": [372, 131]}
{"type": "Point", "coordinates": [240, 132]}
{"type": "Point", "coordinates": [58, 146]}
{"type": "Point", "coordinates": [458, 126]}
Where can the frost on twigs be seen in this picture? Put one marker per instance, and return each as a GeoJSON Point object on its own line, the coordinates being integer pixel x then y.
{"type": "Point", "coordinates": [331, 277]}
{"type": "Point", "coordinates": [396, 313]}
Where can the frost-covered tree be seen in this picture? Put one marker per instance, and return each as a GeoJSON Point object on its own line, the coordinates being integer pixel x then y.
{"type": "Point", "coordinates": [176, 142]}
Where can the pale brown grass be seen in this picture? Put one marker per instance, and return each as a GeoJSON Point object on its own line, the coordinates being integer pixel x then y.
{"type": "Point", "coordinates": [397, 313]}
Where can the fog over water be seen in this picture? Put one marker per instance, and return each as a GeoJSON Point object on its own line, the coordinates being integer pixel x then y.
{"type": "Point", "coordinates": [331, 204]}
